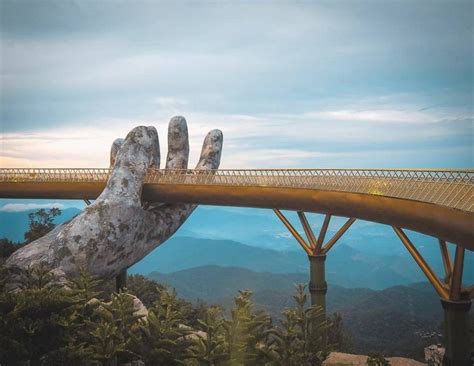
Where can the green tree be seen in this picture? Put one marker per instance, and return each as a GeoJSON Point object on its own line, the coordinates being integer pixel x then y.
{"type": "Point", "coordinates": [100, 331]}
{"type": "Point", "coordinates": [338, 339]}
{"type": "Point", "coordinates": [148, 291]}
{"type": "Point", "coordinates": [210, 348]}
{"type": "Point", "coordinates": [161, 338]}
{"type": "Point", "coordinates": [85, 286]}
{"type": "Point", "coordinates": [300, 338]}
{"type": "Point", "coordinates": [41, 223]}
{"type": "Point", "coordinates": [77, 348]}
{"type": "Point", "coordinates": [107, 329]}
{"type": "Point", "coordinates": [35, 320]}
{"type": "Point", "coordinates": [106, 343]}
{"type": "Point", "coordinates": [246, 332]}
{"type": "Point", "coordinates": [44, 324]}
{"type": "Point", "coordinates": [49, 325]}
{"type": "Point", "coordinates": [7, 248]}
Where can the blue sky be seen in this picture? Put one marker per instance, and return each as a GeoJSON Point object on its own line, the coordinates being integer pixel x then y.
{"type": "Point", "coordinates": [291, 84]}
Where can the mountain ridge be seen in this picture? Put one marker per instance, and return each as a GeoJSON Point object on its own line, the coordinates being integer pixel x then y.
{"type": "Point", "coordinates": [367, 256]}
{"type": "Point", "coordinates": [392, 320]}
{"type": "Point", "coordinates": [181, 252]}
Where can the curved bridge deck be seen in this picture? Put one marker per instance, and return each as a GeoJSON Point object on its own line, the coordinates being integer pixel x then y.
{"type": "Point", "coordinates": [451, 188]}
{"type": "Point", "coordinates": [435, 202]}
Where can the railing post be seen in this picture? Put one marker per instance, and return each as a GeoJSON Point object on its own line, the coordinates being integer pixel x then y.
{"type": "Point", "coordinates": [121, 281]}
{"type": "Point", "coordinates": [456, 333]}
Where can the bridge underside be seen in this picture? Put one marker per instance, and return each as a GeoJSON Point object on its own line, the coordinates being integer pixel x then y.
{"type": "Point", "coordinates": [445, 223]}
{"type": "Point", "coordinates": [455, 299]}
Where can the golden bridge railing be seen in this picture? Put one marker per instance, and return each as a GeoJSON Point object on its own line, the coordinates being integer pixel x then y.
{"type": "Point", "coordinates": [451, 188]}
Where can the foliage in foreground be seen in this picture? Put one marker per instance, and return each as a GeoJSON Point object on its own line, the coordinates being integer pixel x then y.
{"type": "Point", "coordinates": [376, 359]}
{"type": "Point", "coordinates": [86, 323]}
{"type": "Point", "coordinates": [76, 325]}
{"type": "Point", "coordinates": [41, 222]}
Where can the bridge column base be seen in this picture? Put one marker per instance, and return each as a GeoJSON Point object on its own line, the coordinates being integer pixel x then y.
{"type": "Point", "coordinates": [456, 333]}
{"type": "Point", "coordinates": [317, 280]}
{"type": "Point", "coordinates": [318, 286]}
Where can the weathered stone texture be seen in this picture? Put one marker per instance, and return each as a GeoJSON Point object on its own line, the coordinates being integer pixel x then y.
{"type": "Point", "coordinates": [118, 229]}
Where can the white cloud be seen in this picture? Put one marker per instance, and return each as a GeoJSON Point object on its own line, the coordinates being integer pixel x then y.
{"type": "Point", "coordinates": [270, 158]}
{"type": "Point", "coordinates": [342, 137]}
{"type": "Point", "coordinates": [170, 102]}
{"type": "Point", "coordinates": [377, 115]}
{"type": "Point", "coordinates": [18, 207]}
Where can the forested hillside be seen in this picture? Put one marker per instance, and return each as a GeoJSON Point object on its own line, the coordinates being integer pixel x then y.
{"type": "Point", "coordinates": [85, 324]}
{"type": "Point", "coordinates": [397, 321]}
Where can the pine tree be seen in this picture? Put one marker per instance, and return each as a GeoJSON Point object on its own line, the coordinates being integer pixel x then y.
{"type": "Point", "coordinates": [7, 248]}
{"type": "Point", "coordinates": [148, 291]}
{"type": "Point", "coordinates": [161, 338]}
{"type": "Point", "coordinates": [109, 328]}
{"type": "Point", "coordinates": [44, 324]}
{"type": "Point", "coordinates": [211, 348]}
{"type": "Point", "coordinates": [299, 339]}
{"type": "Point", "coordinates": [338, 339]}
{"type": "Point", "coordinates": [41, 223]}
{"type": "Point", "coordinates": [35, 320]}
{"type": "Point", "coordinates": [106, 343]}
{"type": "Point", "coordinates": [246, 332]}
{"type": "Point", "coordinates": [84, 286]}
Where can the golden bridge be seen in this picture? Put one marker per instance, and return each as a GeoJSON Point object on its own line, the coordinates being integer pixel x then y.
{"type": "Point", "coordinates": [438, 203]}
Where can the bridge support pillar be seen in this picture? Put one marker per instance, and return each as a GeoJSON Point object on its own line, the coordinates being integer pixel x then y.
{"type": "Point", "coordinates": [456, 333]}
{"type": "Point", "coordinates": [318, 287]}
{"type": "Point", "coordinates": [121, 280]}
{"type": "Point", "coordinates": [317, 280]}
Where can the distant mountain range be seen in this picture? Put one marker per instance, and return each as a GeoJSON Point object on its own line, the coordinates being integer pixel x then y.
{"type": "Point", "coordinates": [367, 255]}
{"type": "Point", "coordinates": [345, 265]}
{"type": "Point", "coordinates": [392, 321]}
{"type": "Point", "coordinates": [215, 283]}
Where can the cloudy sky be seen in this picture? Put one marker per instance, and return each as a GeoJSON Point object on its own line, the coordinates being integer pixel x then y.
{"type": "Point", "coordinates": [291, 84]}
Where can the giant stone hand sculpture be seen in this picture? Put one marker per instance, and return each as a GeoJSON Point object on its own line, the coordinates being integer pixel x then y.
{"type": "Point", "coordinates": [118, 229]}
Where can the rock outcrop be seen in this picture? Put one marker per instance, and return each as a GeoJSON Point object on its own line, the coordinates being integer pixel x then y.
{"type": "Point", "coordinates": [347, 359]}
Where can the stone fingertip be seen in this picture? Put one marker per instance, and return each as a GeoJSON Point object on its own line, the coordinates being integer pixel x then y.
{"type": "Point", "coordinates": [178, 119]}
{"type": "Point", "coordinates": [114, 149]}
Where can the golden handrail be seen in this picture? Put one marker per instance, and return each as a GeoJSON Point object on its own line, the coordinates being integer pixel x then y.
{"type": "Point", "coordinates": [452, 188]}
